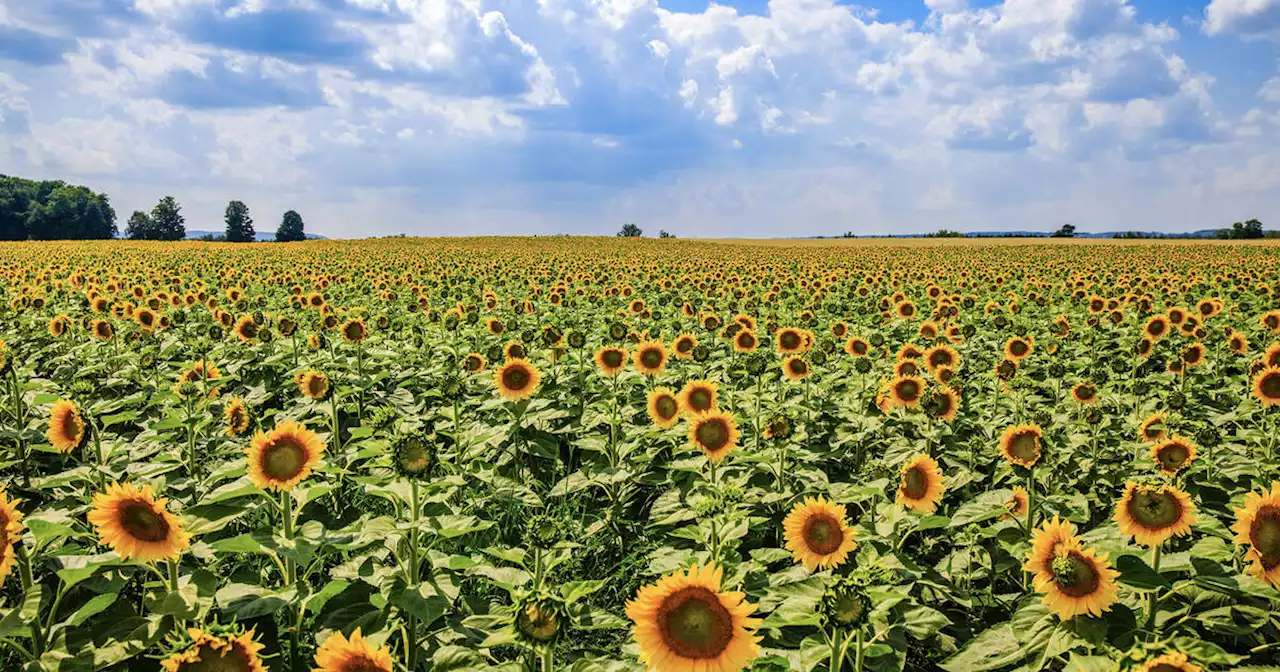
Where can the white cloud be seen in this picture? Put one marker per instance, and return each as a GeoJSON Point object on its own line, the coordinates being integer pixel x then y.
{"type": "Point", "coordinates": [1250, 18]}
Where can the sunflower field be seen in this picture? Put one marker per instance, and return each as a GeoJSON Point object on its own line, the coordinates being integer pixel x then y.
{"type": "Point", "coordinates": [592, 454]}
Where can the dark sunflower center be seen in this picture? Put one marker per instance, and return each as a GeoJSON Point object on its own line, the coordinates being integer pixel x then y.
{"type": "Point", "coordinates": [1264, 534]}
{"type": "Point", "coordinates": [1272, 322]}
{"type": "Point", "coordinates": [315, 386]}
{"type": "Point", "coordinates": [684, 345]}
{"type": "Point", "coordinates": [141, 522]}
{"type": "Point", "coordinates": [1154, 510]}
{"type": "Point", "coordinates": [612, 358]}
{"type": "Point", "coordinates": [822, 534]}
{"type": "Point", "coordinates": [906, 310]}
{"type": "Point", "coordinates": [860, 348]}
{"type": "Point", "coordinates": [515, 378]}
{"type": "Point", "coordinates": [848, 608]}
{"type": "Point", "coordinates": [915, 483]}
{"type": "Point", "coordinates": [666, 407]}
{"type": "Point", "coordinates": [414, 457]}
{"type": "Point", "coordinates": [538, 623]}
{"type": "Point", "coordinates": [1165, 667]}
{"type": "Point", "coordinates": [908, 390]}
{"type": "Point", "coordinates": [473, 363]}
{"type": "Point", "coordinates": [798, 366]}
{"type": "Point", "coordinates": [790, 340]}
{"type": "Point", "coordinates": [361, 663]}
{"type": "Point", "coordinates": [72, 427]}
{"type": "Point", "coordinates": [746, 340]}
{"type": "Point", "coordinates": [1024, 446]}
{"type": "Point", "coordinates": [1018, 348]}
{"type": "Point", "coordinates": [651, 358]}
{"type": "Point", "coordinates": [713, 434]}
{"type": "Point", "coordinates": [1173, 455]}
{"type": "Point", "coordinates": [1084, 392]}
{"type": "Point", "coordinates": [694, 624]}
{"type": "Point", "coordinates": [1075, 575]}
{"type": "Point", "coordinates": [700, 399]}
{"type": "Point", "coordinates": [283, 460]}
{"type": "Point", "coordinates": [1270, 386]}
{"type": "Point", "coordinates": [908, 368]}
{"type": "Point", "coordinates": [1155, 328]}
{"type": "Point", "coordinates": [940, 358]}
{"type": "Point", "coordinates": [516, 351]}
{"type": "Point", "coordinates": [214, 660]}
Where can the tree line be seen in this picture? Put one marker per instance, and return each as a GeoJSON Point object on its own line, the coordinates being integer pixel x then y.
{"type": "Point", "coordinates": [55, 210]}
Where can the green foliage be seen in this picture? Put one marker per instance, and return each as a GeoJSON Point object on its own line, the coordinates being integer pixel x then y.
{"type": "Point", "coordinates": [630, 231]}
{"type": "Point", "coordinates": [290, 228]}
{"type": "Point", "coordinates": [1247, 230]}
{"type": "Point", "coordinates": [1067, 231]}
{"type": "Point", "coordinates": [239, 223]}
{"type": "Point", "coordinates": [53, 210]}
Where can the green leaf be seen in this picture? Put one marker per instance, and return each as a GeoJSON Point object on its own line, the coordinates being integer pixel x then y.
{"type": "Point", "coordinates": [1079, 663]}
{"type": "Point", "coordinates": [993, 649]}
{"type": "Point", "coordinates": [1139, 576]}
{"type": "Point", "coordinates": [421, 601]}
{"type": "Point", "coordinates": [245, 601]}
{"type": "Point", "coordinates": [576, 590]}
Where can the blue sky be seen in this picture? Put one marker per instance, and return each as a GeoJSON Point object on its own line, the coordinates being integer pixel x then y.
{"type": "Point", "coordinates": [757, 118]}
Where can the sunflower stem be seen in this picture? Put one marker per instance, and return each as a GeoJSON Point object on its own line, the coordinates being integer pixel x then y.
{"type": "Point", "coordinates": [19, 425]}
{"type": "Point", "coordinates": [835, 661]}
{"type": "Point", "coordinates": [1153, 598]}
{"type": "Point", "coordinates": [548, 657]}
{"type": "Point", "coordinates": [858, 652]}
{"type": "Point", "coordinates": [24, 572]}
{"type": "Point", "coordinates": [411, 640]}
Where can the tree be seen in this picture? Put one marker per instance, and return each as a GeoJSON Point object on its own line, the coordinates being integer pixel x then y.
{"type": "Point", "coordinates": [630, 231]}
{"type": "Point", "coordinates": [140, 227]}
{"type": "Point", "coordinates": [665, 234]}
{"type": "Point", "coordinates": [290, 228]}
{"type": "Point", "coordinates": [239, 223]}
{"type": "Point", "coordinates": [168, 220]}
{"type": "Point", "coordinates": [1067, 231]}
{"type": "Point", "coordinates": [848, 234]}
{"type": "Point", "coordinates": [53, 209]}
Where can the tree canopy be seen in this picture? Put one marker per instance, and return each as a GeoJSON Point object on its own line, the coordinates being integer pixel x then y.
{"type": "Point", "coordinates": [164, 223]}
{"type": "Point", "coordinates": [290, 228]}
{"type": "Point", "coordinates": [239, 223]}
{"type": "Point", "coordinates": [53, 209]}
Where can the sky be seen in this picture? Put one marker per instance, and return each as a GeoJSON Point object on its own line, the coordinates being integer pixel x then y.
{"type": "Point", "coordinates": [761, 118]}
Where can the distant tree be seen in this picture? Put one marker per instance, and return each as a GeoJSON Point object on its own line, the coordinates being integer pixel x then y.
{"type": "Point", "coordinates": [630, 231]}
{"type": "Point", "coordinates": [944, 233]}
{"type": "Point", "coordinates": [290, 228]}
{"type": "Point", "coordinates": [168, 220]}
{"type": "Point", "coordinates": [848, 234]}
{"type": "Point", "coordinates": [665, 234]}
{"type": "Point", "coordinates": [140, 227]}
{"type": "Point", "coordinates": [239, 223]}
{"type": "Point", "coordinates": [53, 209]}
{"type": "Point", "coordinates": [1067, 231]}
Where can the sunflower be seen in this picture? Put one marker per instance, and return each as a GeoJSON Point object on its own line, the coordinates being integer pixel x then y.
{"type": "Point", "coordinates": [514, 350]}
{"type": "Point", "coordinates": [1084, 393]}
{"type": "Point", "coordinates": [1266, 386]}
{"type": "Point", "coordinates": [745, 341]}
{"type": "Point", "coordinates": [1154, 428]}
{"type": "Point", "coordinates": [1152, 515]}
{"type": "Point", "coordinates": [714, 433]}
{"type": "Point", "coordinates": [1193, 355]}
{"type": "Point", "coordinates": [202, 372]}
{"type": "Point", "coordinates": [1174, 661]}
{"type": "Point", "coordinates": [1238, 344]}
{"type": "Point", "coordinates": [66, 427]}
{"type": "Point", "coordinates": [354, 330]}
{"type": "Point", "coordinates": [940, 356]}
{"type": "Point", "coordinates": [1077, 581]}
{"type": "Point", "coordinates": [856, 347]}
{"type": "Point", "coordinates": [611, 360]}
{"type": "Point", "coordinates": [922, 484]}
{"type": "Point", "coordinates": [795, 368]}
{"type": "Point", "coordinates": [136, 525]}
{"type": "Point", "coordinates": [1017, 348]}
{"type": "Point", "coordinates": [284, 457]}
{"type": "Point", "coordinates": [1271, 356]}
{"type": "Point", "coordinates": [339, 654]}
{"type": "Point", "coordinates": [1257, 527]}
{"type": "Point", "coordinates": [1270, 321]}
{"type": "Point", "coordinates": [473, 362]}
{"type": "Point", "coordinates": [906, 367]}
{"type": "Point", "coordinates": [208, 652]}
{"type": "Point", "coordinates": [698, 396]}
{"type": "Point", "coordinates": [516, 379]}
{"type": "Point", "coordinates": [906, 391]}
{"type": "Point", "coordinates": [789, 341]}
{"type": "Point", "coordinates": [778, 429]}
{"type": "Point", "coordinates": [1020, 444]}
{"type": "Point", "coordinates": [494, 326]}
{"type": "Point", "coordinates": [682, 347]}
{"type": "Point", "coordinates": [1173, 454]}
{"type": "Point", "coordinates": [817, 534]}
{"type": "Point", "coordinates": [245, 328]}
{"type": "Point", "coordinates": [313, 384]}
{"type": "Point", "coordinates": [663, 407]}
{"type": "Point", "coordinates": [10, 532]}
{"type": "Point", "coordinates": [650, 357]}
{"type": "Point", "coordinates": [101, 330]}
{"type": "Point", "coordinates": [943, 403]}
{"type": "Point", "coordinates": [1157, 328]}
{"type": "Point", "coordinates": [236, 416]}
{"type": "Point", "coordinates": [1018, 503]}
{"type": "Point", "coordinates": [59, 326]}
{"type": "Point", "coordinates": [1045, 542]}
{"type": "Point", "coordinates": [684, 623]}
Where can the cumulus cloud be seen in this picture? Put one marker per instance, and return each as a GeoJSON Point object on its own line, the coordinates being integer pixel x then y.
{"type": "Point", "coordinates": [563, 115]}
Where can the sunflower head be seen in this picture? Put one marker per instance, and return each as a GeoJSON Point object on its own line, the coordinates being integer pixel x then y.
{"type": "Point", "coordinates": [745, 341]}
{"type": "Point", "coordinates": [942, 403]}
{"type": "Point", "coordinates": [339, 654]}
{"type": "Point", "coordinates": [473, 362]}
{"type": "Point", "coordinates": [1017, 348]}
{"type": "Point", "coordinates": [313, 384]}
{"type": "Point", "coordinates": [686, 622]}
{"type": "Point", "coordinates": [698, 396]}
{"type": "Point", "coordinates": [856, 347]}
{"type": "Point", "coordinates": [354, 330]}
{"type": "Point", "coordinates": [779, 428]}
{"type": "Point", "coordinates": [1078, 581]}
{"type": "Point", "coordinates": [611, 360]}
{"type": "Point", "coordinates": [1018, 503]}
{"type": "Point", "coordinates": [413, 456]}
{"type": "Point", "coordinates": [794, 367]}
{"type": "Point", "coordinates": [1151, 515]}
{"type": "Point", "coordinates": [663, 407]}
{"type": "Point", "coordinates": [818, 534]}
{"type": "Point", "coordinates": [516, 379]}
{"type": "Point", "coordinates": [845, 603]}
{"type": "Point", "coordinates": [1266, 386]}
{"type": "Point", "coordinates": [1020, 444]}
{"type": "Point", "coordinates": [10, 532]}
{"type": "Point", "coordinates": [284, 457]}
{"type": "Point", "coordinates": [67, 430]}
{"type": "Point", "coordinates": [1084, 393]}
{"type": "Point", "coordinates": [236, 415]}
{"type": "Point", "coordinates": [682, 347]}
{"type": "Point", "coordinates": [1154, 428]}
{"type": "Point", "coordinates": [538, 620]}
{"type": "Point", "coordinates": [1257, 527]}
{"type": "Point", "coordinates": [906, 391]}
{"type": "Point", "coordinates": [1173, 661]}
{"type": "Point", "coordinates": [921, 484]}
{"type": "Point", "coordinates": [650, 357]}
{"type": "Point", "coordinates": [245, 328]}
{"type": "Point", "coordinates": [137, 525]}
{"type": "Point", "coordinates": [1173, 454]}
{"type": "Point", "coordinates": [224, 653]}
{"type": "Point", "coordinates": [715, 433]}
